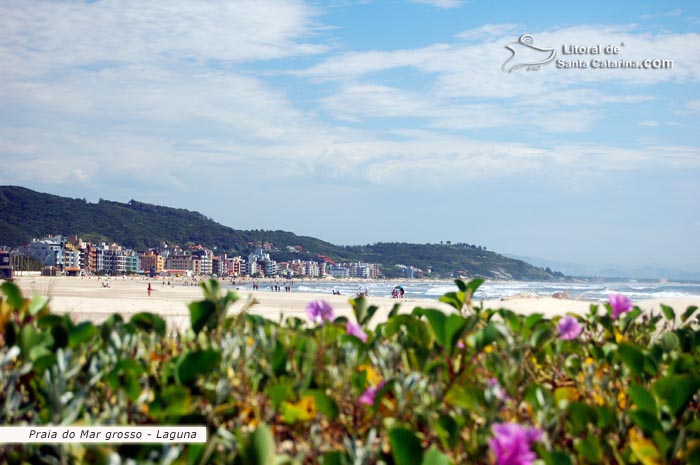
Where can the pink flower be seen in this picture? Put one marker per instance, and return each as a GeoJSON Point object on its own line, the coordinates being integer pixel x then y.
{"type": "Point", "coordinates": [355, 329]}
{"type": "Point", "coordinates": [511, 443]}
{"type": "Point", "coordinates": [619, 304]}
{"type": "Point", "coordinates": [319, 311]}
{"type": "Point", "coordinates": [368, 396]}
{"type": "Point", "coordinates": [496, 389]}
{"type": "Point", "coordinates": [569, 328]}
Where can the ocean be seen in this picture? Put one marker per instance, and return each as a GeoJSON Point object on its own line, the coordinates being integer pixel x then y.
{"type": "Point", "coordinates": [491, 290]}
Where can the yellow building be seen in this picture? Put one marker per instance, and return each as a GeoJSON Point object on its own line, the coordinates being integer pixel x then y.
{"type": "Point", "coordinates": [152, 260]}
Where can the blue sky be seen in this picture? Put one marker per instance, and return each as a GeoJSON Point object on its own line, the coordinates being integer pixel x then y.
{"type": "Point", "coordinates": [366, 121]}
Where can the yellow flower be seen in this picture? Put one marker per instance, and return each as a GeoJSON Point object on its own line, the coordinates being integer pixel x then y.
{"type": "Point", "coordinates": [619, 337]}
{"type": "Point", "coordinates": [644, 449]}
{"type": "Point", "coordinates": [568, 393]}
{"type": "Point", "coordinates": [373, 376]}
{"type": "Point", "coordinates": [303, 410]}
{"type": "Point", "coordinates": [621, 400]}
{"type": "Point", "coordinates": [600, 400]}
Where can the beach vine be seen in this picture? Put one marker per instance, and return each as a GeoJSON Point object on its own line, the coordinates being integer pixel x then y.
{"type": "Point", "coordinates": [477, 385]}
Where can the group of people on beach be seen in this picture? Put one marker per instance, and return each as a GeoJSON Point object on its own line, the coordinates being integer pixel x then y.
{"type": "Point", "coordinates": [274, 287]}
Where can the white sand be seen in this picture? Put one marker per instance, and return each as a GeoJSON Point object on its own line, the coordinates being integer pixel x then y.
{"type": "Point", "coordinates": [85, 298]}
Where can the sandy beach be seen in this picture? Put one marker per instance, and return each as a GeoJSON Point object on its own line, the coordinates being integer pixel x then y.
{"type": "Point", "coordinates": [89, 299]}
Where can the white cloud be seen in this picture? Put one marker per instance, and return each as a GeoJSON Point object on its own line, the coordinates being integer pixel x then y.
{"type": "Point", "coordinates": [40, 37]}
{"type": "Point", "coordinates": [111, 90]}
{"type": "Point", "coordinates": [446, 4]}
{"type": "Point", "coordinates": [488, 31]}
{"type": "Point", "coordinates": [693, 105]}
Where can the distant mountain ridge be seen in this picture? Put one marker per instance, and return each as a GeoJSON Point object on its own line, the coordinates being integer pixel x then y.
{"type": "Point", "coordinates": [27, 214]}
{"type": "Point", "coordinates": [612, 271]}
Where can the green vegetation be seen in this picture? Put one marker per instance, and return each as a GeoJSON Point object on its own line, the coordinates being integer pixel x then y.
{"type": "Point", "coordinates": [426, 388]}
{"type": "Point", "coordinates": [26, 214]}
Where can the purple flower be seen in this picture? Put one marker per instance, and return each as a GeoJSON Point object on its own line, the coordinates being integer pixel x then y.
{"type": "Point", "coordinates": [619, 304]}
{"type": "Point", "coordinates": [496, 389]}
{"type": "Point", "coordinates": [355, 329]}
{"type": "Point", "coordinates": [319, 311]}
{"type": "Point", "coordinates": [511, 443]}
{"type": "Point", "coordinates": [569, 328]}
{"type": "Point", "coordinates": [368, 396]}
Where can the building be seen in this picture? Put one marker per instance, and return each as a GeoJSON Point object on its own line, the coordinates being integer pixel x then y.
{"type": "Point", "coordinates": [152, 262]}
{"type": "Point", "coordinates": [48, 251]}
{"type": "Point", "coordinates": [234, 266]}
{"type": "Point", "coordinates": [179, 262]}
{"type": "Point", "coordinates": [114, 259]}
{"type": "Point", "coordinates": [202, 260]}
{"type": "Point", "coordinates": [5, 264]}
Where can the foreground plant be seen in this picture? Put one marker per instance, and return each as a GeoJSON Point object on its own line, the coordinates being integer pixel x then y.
{"type": "Point", "coordinates": [482, 386]}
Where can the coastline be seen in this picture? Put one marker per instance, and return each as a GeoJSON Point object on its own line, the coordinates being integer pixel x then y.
{"type": "Point", "coordinates": [88, 299]}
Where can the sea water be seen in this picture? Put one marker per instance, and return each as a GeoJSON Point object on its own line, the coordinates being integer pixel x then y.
{"type": "Point", "coordinates": [491, 290]}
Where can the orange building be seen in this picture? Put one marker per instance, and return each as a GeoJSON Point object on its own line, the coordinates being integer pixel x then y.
{"type": "Point", "coordinates": [153, 260]}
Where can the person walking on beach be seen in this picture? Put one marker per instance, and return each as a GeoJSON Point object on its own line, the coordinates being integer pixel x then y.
{"type": "Point", "coordinates": [149, 289]}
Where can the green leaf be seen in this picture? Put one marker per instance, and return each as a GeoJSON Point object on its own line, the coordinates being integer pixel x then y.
{"type": "Point", "coordinates": [467, 397]}
{"type": "Point", "coordinates": [149, 322]}
{"type": "Point", "coordinates": [278, 393]}
{"type": "Point", "coordinates": [13, 294]}
{"type": "Point", "coordinates": [688, 313]}
{"type": "Point", "coordinates": [484, 337]}
{"type": "Point", "coordinates": [437, 319]}
{"type": "Point", "coordinates": [532, 320]}
{"type": "Point", "coordinates": [406, 449]}
{"type": "Point", "coordinates": [668, 312]}
{"type": "Point", "coordinates": [197, 363]}
{"type": "Point", "coordinates": [211, 289]}
{"type": "Point", "coordinates": [171, 401]}
{"type": "Point", "coordinates": [669, 341]}
{"type": "Point", "coordinates": [394, 310]}
{"type": "Point", "coordinates": [332, 458]}
{"type": "Point", "coordinates": [632, 357]}
{"type": "Point", "coordinates": [37, 305]}
{"type": "Point", "coordinates": [642, 399]}
{"type": "Point", "coordinates": [30, 338]}
{"type": "Point", "coordinates": [541, 336]}
{"type": "Point", "coordinates": [553, 457]}
{"type": "Point", "coordinates": [416, 329]}
{"type": "Point", "coordinates": [472, 287]}
{"type": "Point", "coordinates": [324, 403]}
{"type": "Point", "coordinates": [59, 333]}
{"type": "Point", "coordinates": [646, 421]}
{"type": "Point", "coordinates": [453, 299]}
{"type": "Point", "coordinates": [81, 333]}
{"type": "Point", "coordinates": [260, 449]}
{"type": "Point", "coordinates": [434, 457]}
{"type": "Point", "coordinates": [581, 415]}
{"type": "Point", "coordinates": [447, 430]}
{"type": "Point", "coordinates": [590, 449]}
{"type": "Point", "coordinates": [43, 360]}
{"type": "Point", "coordinates": [454, 327]}
{"type": "Point", "coordinates": [676, 391]}
{"type": "Point", "coordinates": [194, 453]}
{"type": "Point", "coordinates": [202, 313]}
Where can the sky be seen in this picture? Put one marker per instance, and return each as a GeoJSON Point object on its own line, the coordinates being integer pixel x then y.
{"type": "Point", "coordinates": [365, 121]}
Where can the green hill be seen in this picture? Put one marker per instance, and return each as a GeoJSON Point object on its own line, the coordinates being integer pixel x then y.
{"type": "Point", "coordinates": [27, 214]}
